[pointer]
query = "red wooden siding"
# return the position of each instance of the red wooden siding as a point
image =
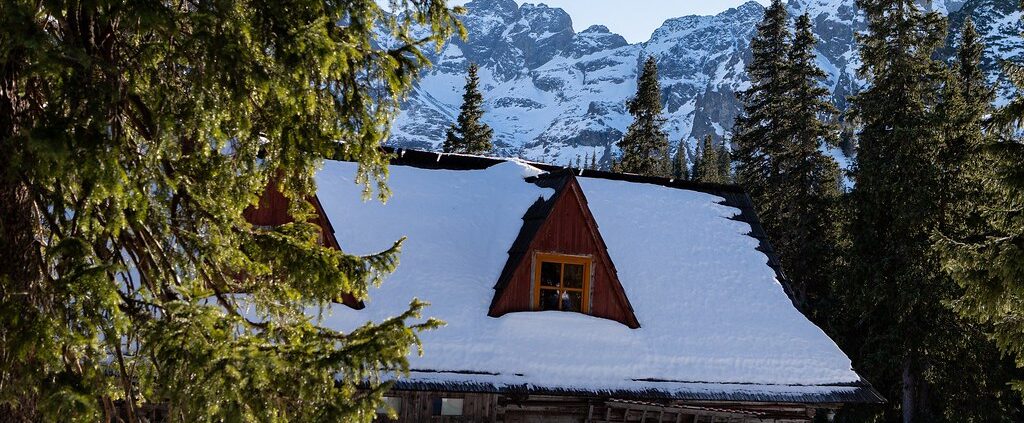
(272, 210)
(570, 229)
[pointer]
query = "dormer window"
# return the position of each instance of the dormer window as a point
(561, 282)
(559, 260)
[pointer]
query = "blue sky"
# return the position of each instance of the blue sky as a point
(634, 19)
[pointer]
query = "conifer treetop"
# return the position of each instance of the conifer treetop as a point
(681, 161)
(470, 135)
(645, 144)
(760, 126)
(710, 164)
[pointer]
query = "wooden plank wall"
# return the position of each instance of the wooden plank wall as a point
(418, 407)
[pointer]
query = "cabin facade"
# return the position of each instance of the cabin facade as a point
(582, 296)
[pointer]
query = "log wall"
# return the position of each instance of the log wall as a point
(419, 407)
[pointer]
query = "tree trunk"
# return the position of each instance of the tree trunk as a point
(18, 225)
(21, 268)
(909, 392)
(21, 274)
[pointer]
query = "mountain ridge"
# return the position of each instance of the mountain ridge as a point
(553, 94)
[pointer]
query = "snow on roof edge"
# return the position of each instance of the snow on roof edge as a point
(468, 381)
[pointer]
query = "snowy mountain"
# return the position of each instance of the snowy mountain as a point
(553, 94)
(999, 23)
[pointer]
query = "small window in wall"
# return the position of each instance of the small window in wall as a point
(447, 407)
(390, 403)
(561, 282)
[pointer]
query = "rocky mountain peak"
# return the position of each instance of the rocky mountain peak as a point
(745, 9)
(596, 29)
(595, 39)
(504, 8)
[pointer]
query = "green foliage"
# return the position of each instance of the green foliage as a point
(807, 189)
(710, 164)
(893, 275)
(133, 135)
(645, 145)
(758, 132)
(866, 270)
(894, 314)
(966, 100)
(784, 127)
(983, 249)
(988, 264)
(681, 162)
(471, 135)
(724, 162)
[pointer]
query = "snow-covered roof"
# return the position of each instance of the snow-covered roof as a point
(715, 321)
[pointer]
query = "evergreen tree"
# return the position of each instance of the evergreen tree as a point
(133, 135)
(680, 163)
(707, 167)
(989, 264)
(966, 100)
(974, 88)
(724, 163)
(593, 161)
(645, 145)
(894, 278)
(910, 345)
(806, 190)
(980, 241)
(759, 130)
(779, 138)
(974, 378)
(470, 135)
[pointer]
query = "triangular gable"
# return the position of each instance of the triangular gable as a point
(272, 210)
(561, 225)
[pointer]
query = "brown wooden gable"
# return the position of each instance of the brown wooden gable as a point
(272, 210)
(562, 225)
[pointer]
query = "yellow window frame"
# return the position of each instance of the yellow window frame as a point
(562, 259)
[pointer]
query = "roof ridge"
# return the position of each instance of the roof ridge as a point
(457, 161)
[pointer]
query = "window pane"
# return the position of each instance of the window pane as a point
(548, 299)
(550, 273)
(572, 301)
(451, 406)
(573, 276)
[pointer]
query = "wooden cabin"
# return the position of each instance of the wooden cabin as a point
(583, 296)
